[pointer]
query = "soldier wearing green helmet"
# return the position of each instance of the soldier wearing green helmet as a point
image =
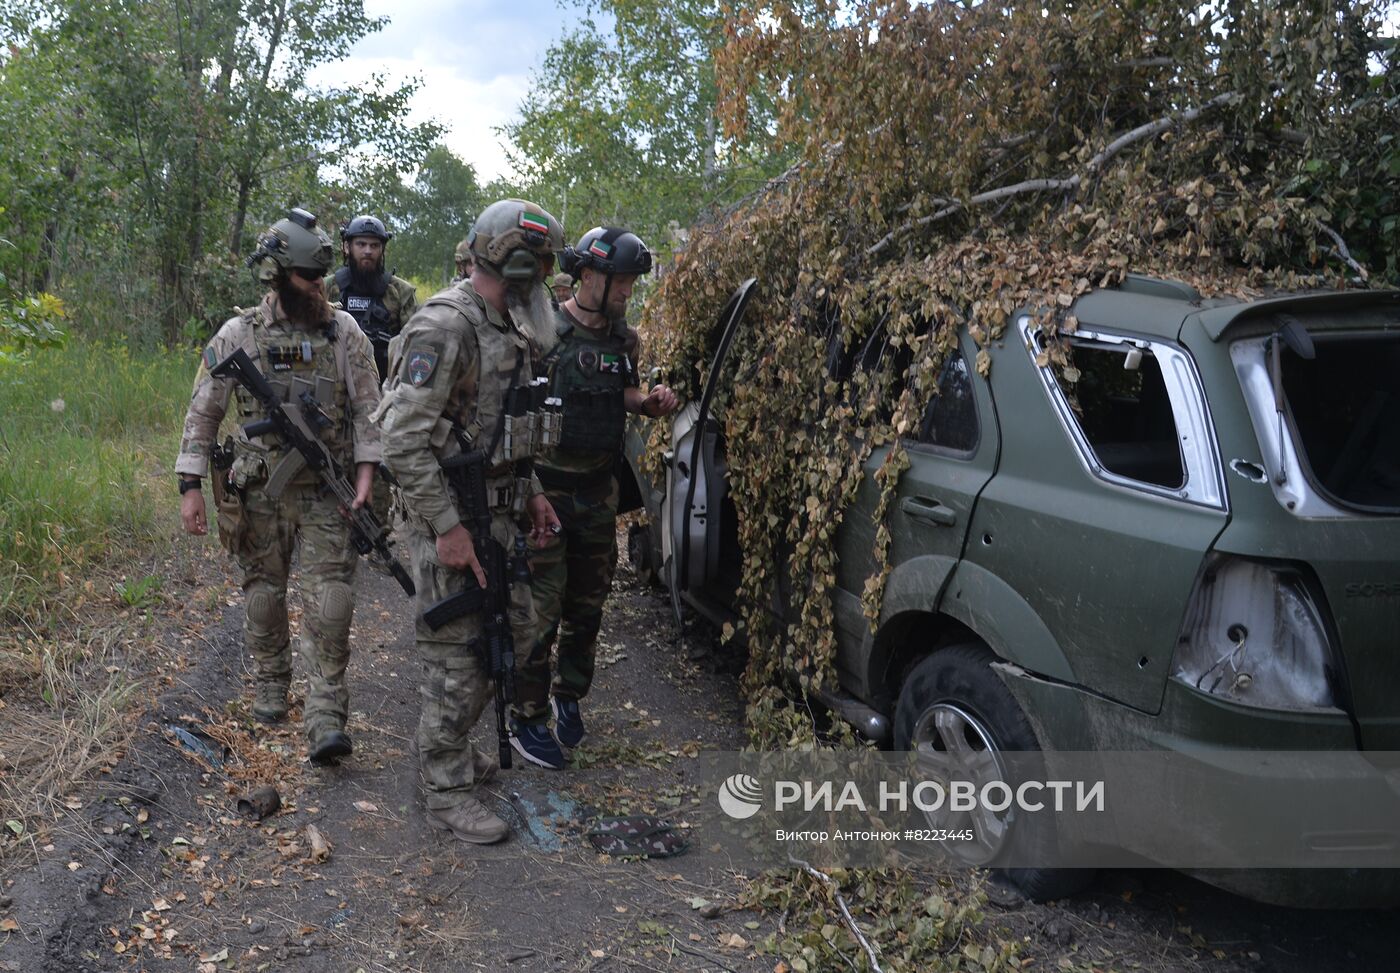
(462, 260)
(298, 341)
(467, 353)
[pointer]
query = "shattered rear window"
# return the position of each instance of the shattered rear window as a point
(1121, 403)
(1345, 406)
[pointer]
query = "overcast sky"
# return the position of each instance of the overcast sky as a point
(474, 58)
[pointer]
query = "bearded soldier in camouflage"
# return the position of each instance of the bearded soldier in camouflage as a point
(380, 303)
(592, 371)
(298, 341)
(450, 374)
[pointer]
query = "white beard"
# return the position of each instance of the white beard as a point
(534, 316)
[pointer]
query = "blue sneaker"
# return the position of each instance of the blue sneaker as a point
(534, 742)
(568, 724)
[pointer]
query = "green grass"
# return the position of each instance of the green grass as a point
(82, 429)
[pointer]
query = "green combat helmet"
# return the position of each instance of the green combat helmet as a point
(295, 241)
(463, 251)
(512, 235)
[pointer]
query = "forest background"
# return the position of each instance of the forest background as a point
(823, 146)
(860, 158)
(147, 143)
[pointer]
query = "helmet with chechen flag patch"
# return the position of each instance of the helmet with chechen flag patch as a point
(512, 234)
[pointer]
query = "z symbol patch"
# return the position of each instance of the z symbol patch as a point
(420, 367)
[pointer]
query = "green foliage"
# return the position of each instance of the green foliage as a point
(960, 162)
(163, 137)
(84, 425)
(139, 592)
(429, 217)
(621, 127)
(27, 322)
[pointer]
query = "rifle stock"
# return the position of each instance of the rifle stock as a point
(366, 532)
(466, 472)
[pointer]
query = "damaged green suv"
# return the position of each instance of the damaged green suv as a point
(1194, 545)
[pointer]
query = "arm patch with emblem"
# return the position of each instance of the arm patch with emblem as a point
(420, 365)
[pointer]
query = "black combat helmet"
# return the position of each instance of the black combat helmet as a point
(366, 226)
(609, 250)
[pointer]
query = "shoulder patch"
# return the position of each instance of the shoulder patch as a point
(419, 365)
(210, 359)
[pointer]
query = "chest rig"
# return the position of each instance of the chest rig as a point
(295, 360)
(588, 374)
(366, 304)
(508, 413)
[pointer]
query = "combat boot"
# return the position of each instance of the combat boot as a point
(327, 748)
(270, 701)
(469, 821)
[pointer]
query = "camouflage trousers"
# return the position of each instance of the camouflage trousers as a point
(271, 531)
(570, 580)
(455, 685)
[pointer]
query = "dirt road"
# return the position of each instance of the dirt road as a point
(152, 867)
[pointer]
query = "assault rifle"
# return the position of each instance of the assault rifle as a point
(297, 428)
(466, 472)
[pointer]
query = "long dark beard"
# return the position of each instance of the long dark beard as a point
(302, 308)
(362, 282)
(534, 315)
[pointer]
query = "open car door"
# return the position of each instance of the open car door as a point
(696, 479)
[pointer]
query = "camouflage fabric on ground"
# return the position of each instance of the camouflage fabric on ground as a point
(637, 834)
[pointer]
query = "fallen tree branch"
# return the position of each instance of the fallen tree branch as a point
(1159, 126)
(1341, 251)
(1066, 183)
(845, 912)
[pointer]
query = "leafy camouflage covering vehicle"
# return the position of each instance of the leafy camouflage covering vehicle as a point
(1192, 544)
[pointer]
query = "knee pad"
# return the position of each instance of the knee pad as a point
(266, 610)
(335, 609)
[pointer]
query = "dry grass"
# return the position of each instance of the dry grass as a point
(67, 694)
(67, 723)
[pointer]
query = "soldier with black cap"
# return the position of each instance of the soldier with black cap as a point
(380, 303)
(462, 260)
(593, 373)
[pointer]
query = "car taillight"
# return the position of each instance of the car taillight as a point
(1254, 635)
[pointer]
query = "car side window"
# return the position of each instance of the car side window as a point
(1121, 403)
(950, 419)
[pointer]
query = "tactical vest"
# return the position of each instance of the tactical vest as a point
(504, 373)
(366, 305)
(294, 360)
(589, 373)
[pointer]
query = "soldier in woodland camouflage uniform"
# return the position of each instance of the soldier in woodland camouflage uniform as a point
(380, 303)
(592, 370)
(454, 364)
(295, 338)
